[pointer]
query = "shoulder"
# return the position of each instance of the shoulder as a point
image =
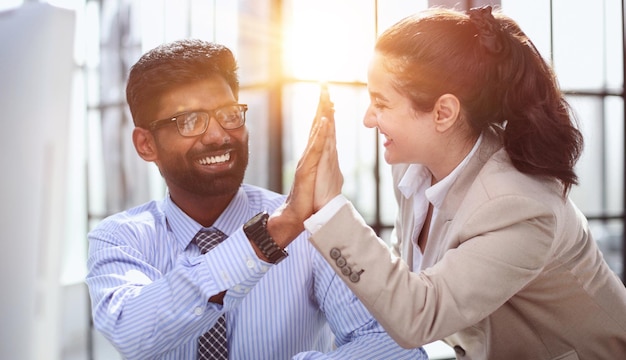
(500, 178)
(148, 217)
(501, 195)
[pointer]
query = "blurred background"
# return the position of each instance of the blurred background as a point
(67, 154)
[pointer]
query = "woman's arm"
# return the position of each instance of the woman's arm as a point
(494, 260)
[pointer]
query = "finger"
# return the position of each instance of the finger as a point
(324, 106)
(315, 145)
(331, 131)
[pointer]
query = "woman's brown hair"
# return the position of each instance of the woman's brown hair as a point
(499, 77)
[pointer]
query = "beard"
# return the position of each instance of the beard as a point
(177, 172)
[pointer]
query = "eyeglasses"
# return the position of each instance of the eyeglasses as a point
(195, 123)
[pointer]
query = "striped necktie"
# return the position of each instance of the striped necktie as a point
(212, 345)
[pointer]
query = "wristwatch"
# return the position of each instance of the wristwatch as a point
(256, 231)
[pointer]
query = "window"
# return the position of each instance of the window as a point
(286, 48)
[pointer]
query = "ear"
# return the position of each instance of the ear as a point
(144, 144)
(446, 111)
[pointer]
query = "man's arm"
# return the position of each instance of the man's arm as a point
(143, 308)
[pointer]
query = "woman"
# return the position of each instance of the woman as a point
(496, 260)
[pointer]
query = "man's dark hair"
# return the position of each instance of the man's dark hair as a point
(173, 64)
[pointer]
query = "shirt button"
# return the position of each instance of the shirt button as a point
(264, 268)
(250, 263)
(198, 311)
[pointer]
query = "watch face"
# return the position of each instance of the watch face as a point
(256, 218)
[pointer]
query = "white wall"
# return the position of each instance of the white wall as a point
(36, 41)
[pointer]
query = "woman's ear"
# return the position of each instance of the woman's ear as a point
(447, 110)
(144, 144)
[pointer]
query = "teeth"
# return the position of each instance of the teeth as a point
(215, 159)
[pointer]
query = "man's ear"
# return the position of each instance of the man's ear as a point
(144, 144)
(447, 110)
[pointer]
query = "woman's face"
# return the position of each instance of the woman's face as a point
(407, 133)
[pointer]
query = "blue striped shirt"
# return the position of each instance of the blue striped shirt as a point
(149, 287)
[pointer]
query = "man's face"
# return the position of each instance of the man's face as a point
(211, 164)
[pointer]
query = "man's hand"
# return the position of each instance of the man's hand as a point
(287, 222)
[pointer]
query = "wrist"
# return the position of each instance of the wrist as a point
(262, 241)
(284, 227)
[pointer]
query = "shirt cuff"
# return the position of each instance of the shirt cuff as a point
(320, 218)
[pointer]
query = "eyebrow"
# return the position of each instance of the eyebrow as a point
(203, 109)
(378, 95)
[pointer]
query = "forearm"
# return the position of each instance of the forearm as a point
(143, 319)
(490, 255)
(379, 273)
(143, 310)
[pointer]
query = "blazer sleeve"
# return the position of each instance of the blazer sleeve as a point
(468, 283)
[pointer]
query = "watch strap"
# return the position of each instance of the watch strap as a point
(256, 231)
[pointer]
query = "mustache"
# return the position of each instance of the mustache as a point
(212, 149)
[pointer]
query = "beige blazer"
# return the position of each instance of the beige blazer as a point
(510, 270)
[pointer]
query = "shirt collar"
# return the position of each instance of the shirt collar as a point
(418, 176)
(185, 228)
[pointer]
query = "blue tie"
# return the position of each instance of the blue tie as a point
(212, 345)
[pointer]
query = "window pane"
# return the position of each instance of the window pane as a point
(255, 43)
(608, 235)
(600, 168)
(259, 140)
(614, 154)
(533, 16)
(176, 19)
(202, 19)
(226, 18)
(328, 39)
(590, 168)
(579, 44)
(614, 45)
(392, 11)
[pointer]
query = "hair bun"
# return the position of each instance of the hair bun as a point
(487, 27)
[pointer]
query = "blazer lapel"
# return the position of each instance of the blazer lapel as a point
(454, 198)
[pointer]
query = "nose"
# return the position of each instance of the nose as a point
(369, 119)
(215, 133)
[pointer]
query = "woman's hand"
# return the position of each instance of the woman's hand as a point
(329, 179)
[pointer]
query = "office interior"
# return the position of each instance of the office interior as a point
(69, 158)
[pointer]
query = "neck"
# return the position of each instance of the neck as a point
(451, 157)
(203, 209)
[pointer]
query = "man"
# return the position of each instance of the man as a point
(148, 278)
